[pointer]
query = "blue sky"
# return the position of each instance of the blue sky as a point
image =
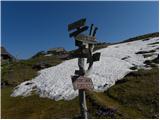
(29, 27)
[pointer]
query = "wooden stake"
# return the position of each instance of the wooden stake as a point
(83, 105)
(82, 96)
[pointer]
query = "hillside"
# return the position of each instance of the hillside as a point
(104, 73)
(125, 95)
(142, 37)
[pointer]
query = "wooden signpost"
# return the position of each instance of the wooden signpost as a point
(86, 44)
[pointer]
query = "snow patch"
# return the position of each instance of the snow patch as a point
(55, 82)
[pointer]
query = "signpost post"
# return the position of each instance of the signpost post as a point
(86, 44)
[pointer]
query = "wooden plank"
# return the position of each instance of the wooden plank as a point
(82, 37)
(94, 32)
(82, 82)
(78, 31)
(86, 39)
(77, 24)
(79, 72)
(96, 56)
(91, 28)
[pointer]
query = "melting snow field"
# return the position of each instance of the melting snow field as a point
(115, 62)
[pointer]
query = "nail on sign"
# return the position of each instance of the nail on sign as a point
(82, 83)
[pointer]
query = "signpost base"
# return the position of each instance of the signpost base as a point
(83, 105)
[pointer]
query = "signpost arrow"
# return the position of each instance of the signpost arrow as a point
(77, 24)
(94, 58)
(86, 39)
(80, 30)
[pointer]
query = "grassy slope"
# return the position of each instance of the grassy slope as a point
(20, 71)
(136, 97)
(36, 107)
(145, 37)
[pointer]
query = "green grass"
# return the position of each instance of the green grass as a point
(36, 107)
(16, 72)
(144, 37)
(140, 92)
(136, 97)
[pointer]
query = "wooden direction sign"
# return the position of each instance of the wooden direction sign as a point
(75, 33)
(77, 24)
(94, 58)
(86, 39)
(82, 82)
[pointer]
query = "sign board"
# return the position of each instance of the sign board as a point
(77, 24)
(95, 57)
(86, 39)
(82, 82)
(75, 33)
